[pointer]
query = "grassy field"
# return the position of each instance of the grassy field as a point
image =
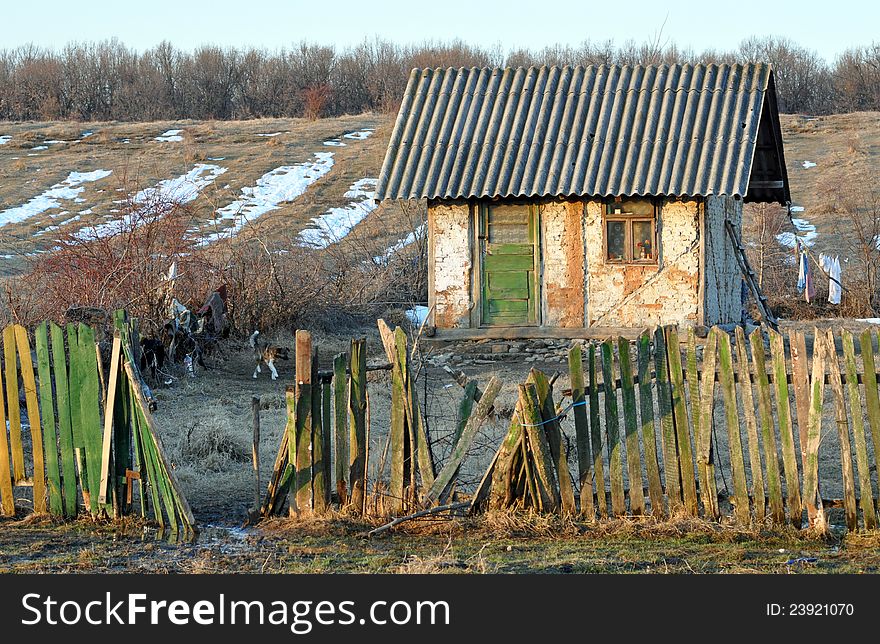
(495, 544)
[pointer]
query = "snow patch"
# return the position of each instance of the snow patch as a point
(179, 190)
(170, 136)
(359, 135)
(336, 223)
(40, 147)
(270, 134)
(67, 190)
(283, 184)
(5, 139)
(808, 164)
(335, 143)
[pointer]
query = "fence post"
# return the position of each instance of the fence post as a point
(320, 485)
(357, 407)
(680, 416)
(771, 457)
(745, 378)
(846, 466)
(649, 438)
(582, 429)
(734, 439)
(667, 424)
(706, 405)
(786, 431)
(303, 409)
(340, 389)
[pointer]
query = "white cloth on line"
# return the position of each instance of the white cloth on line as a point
(834, 284)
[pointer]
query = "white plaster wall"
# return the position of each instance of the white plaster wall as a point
(562, 260)
(451, 257)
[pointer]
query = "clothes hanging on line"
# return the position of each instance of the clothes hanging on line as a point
(834, 286)
(802, 267)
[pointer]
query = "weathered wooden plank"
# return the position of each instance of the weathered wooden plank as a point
(357, 407)
(327, 437)
(320, 485)
(90, 412)
(542, 459)
(737, 465)
(846, 465)
(65, 427)
(786, 432)
(800, 380)
(771, 457)
(500, 494)
(475, 421)
(106, 446)
(47, 414)
(581, 429)
(553, 432)
(304, 418)
(705, 399)
(872, 401)
(748, 401)
(7, 497)
(148, 462)
(631, 428)
(399, 439)
(667, 424)
(649, 440)
(596, 435)
(812, 497)
(866, 494)
(612, 432)
(465, 408)
(12, 405)
(693, 384)
(682, 429)
(340, 393)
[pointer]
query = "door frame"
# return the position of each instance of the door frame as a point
(477, 233)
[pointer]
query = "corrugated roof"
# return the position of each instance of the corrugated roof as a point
(600, 130)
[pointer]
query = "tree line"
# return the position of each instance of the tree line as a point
(108, 81)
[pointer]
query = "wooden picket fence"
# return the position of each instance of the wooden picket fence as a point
(92, 438)
(637, 433)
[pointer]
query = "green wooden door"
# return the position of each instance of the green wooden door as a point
(508, 240)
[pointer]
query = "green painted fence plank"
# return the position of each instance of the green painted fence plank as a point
(872, 400)
(667, 424)
(596, 435)
(768, 436)
(47, 410)
(631, 428)
(734, 440)
(340, 393)
(866, 493)
(581, 429)
(612, 431)
(90, 413)
(7, 495)
(357, 406)
(682, 428)
(65, 428)
(649, 438)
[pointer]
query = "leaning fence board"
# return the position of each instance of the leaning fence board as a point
(90, 413)
(596, 435)
(680, 415)
(553, 432)
(612, 432)
(866, 494)
(649, 440)
(786, 432)
(33, 411)
(737, 465)
(474, 422)
(545, 478)
(7, 497)
(500, 491)
(65, 427)
(105, 489)
(812, 496)
(631, 428)
(357, 409)
(771, 457)
(12, 406)
(47, 410)
(581, 428)
(846, 466)
(705, 399)
(667, 424)
(748, 401)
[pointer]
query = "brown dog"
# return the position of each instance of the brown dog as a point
(265, 353)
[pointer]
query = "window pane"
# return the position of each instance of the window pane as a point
(509, 224)
(616, 236)
(642, 240)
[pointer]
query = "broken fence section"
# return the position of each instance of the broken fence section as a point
(722, 428)
(93, 447)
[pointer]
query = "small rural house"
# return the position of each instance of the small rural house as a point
(564, 199)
